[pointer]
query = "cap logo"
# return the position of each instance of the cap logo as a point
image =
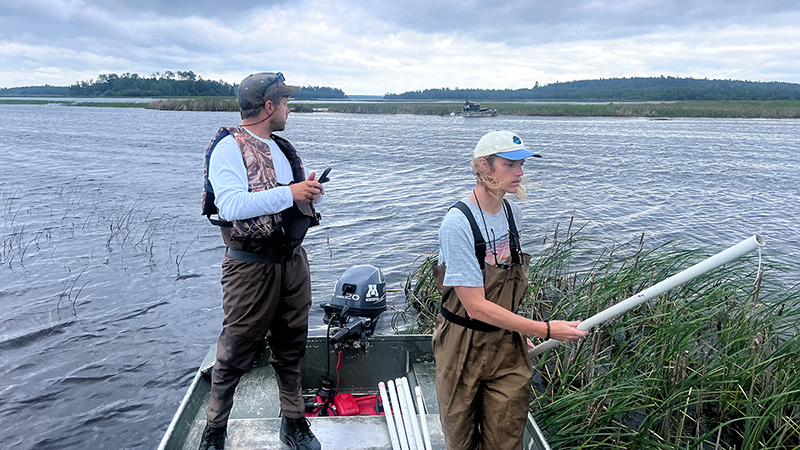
(516, 140)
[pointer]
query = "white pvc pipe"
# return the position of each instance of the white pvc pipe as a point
(398, 418)
(672, 282)
(387, 412)
(422, 418)
(412, 414)
(407, 418)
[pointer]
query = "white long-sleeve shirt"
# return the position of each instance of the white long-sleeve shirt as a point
(228, 177)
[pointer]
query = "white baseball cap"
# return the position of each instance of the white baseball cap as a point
(504, 144)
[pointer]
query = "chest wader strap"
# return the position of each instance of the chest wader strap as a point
(480, 243)
(466, 322)
(480, 254)
(513, 235)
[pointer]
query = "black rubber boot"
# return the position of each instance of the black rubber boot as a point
(213, 438)
(297, 434)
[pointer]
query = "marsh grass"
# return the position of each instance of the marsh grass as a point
(422, 108)
(72, 103)
(711, 109)
(129, 226)
(196, 104)
(15, 238)
(709, 365)
(213, 104)
(714, 109)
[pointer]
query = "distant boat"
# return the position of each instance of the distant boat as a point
(474, 110)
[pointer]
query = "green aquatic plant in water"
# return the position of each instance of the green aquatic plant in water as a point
(717, 109)
(709, 365)
(769, 109)
(196, 104)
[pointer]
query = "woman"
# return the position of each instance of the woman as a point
(483, 370)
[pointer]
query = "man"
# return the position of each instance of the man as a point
(257, 184)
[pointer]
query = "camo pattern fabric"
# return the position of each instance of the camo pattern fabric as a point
(260, 176)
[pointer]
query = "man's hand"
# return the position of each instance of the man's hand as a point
(307, 191)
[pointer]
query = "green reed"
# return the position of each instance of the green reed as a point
(714, 109)
(422, 108)
(228, 104)
(711, 364)
(711, 109)
(72, 103)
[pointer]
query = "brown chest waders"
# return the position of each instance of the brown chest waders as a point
(266, 284)
(483, 372)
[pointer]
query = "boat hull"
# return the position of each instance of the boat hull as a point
(484, 113)
(255, 418)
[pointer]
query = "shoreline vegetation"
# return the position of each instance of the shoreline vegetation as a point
(712, 109)
(635, 89)
(708, 365)
(651, 97)
(750, 109)
(167, 84)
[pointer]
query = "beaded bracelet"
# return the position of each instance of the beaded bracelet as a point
(547, 338)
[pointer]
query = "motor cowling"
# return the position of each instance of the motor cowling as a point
(359, 298)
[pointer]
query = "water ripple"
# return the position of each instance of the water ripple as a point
(99, 341)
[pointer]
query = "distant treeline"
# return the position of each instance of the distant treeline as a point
(320, 92)
(45, 90)
(169, 83)
(173, 84)
(621, 89)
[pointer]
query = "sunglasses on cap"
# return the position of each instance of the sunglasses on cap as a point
(278, 77)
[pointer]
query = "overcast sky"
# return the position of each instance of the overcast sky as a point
(380, 46)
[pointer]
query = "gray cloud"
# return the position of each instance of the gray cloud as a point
(223, 11)
(526, 22)
(371, 46)
(76, 25)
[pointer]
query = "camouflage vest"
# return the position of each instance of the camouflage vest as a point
(262, 234)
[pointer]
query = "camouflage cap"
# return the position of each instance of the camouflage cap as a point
(257, 88)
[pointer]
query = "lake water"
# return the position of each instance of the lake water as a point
(86, 99)
(109, 275)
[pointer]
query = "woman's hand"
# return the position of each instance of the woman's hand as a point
(562, 330)
(474, 301)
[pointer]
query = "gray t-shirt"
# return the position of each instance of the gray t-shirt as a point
(457, 245)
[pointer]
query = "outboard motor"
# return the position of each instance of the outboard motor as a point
(358, 300)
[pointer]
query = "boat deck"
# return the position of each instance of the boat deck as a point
(255, 419)
(346, 433)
